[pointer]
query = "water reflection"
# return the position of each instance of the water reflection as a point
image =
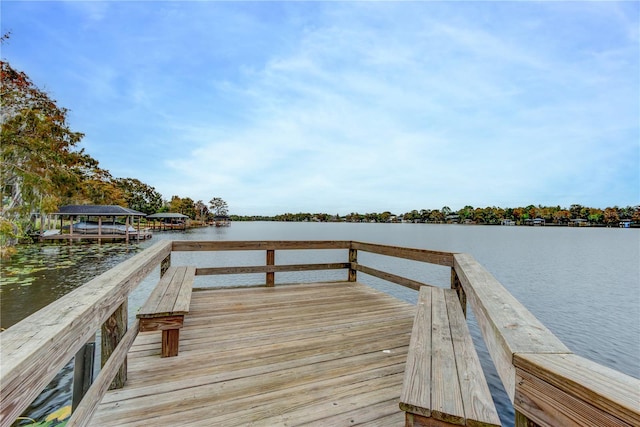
(41, 273)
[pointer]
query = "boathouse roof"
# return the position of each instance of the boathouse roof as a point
(98, 210)
(167, 215)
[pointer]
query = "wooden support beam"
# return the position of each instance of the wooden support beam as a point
(353, 263)
(112, 332)
(271, 260)
(457, 286)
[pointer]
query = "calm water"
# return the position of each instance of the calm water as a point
(582, 283)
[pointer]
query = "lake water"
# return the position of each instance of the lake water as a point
(582, 283)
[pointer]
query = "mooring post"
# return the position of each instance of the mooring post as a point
(353, 261)
(271, 260)
(112, 332)
(83, 371)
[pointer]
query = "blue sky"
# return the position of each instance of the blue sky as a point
(346, 107)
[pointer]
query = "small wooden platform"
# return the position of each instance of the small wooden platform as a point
(312, 354)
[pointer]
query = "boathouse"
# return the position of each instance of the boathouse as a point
(97, 222)
(168, 221)
(221, 221)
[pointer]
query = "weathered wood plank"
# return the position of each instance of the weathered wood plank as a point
(479, 408)
(296, 371)
(506, 325)
(444, 383)
(183, 298)
(172, 294)
(249, 245)
(393, 278)
(208, 271)
(424, 255)
(34, 350)
(113, 330)
(446, 396)
(570, 390)
(416, 387)
(148, 324)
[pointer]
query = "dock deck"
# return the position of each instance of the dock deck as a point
(310, 354)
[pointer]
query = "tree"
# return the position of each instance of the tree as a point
(218, 206)
(610, 216)
(140, 196)
(436, 216)
(39, 162)
(185, 206)
(97, 187)
(466, 212)
(201, 210)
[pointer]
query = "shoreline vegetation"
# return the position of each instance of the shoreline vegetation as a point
(575, 215)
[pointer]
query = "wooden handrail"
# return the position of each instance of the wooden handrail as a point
(34, 350)
(506, 325)
(528, 357)
(424, 255)
(546, 382)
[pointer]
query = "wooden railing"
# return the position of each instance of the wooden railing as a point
(546, 382)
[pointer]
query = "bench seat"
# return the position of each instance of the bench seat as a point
(444, 384)
(165, 308)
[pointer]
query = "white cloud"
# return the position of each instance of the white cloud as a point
(365, 106)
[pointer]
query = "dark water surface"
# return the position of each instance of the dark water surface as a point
(582, 283)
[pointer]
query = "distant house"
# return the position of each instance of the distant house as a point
(168, 221)
(625, 223)
(579, 222)
(508, 222)
(535, 221)
(452, 219)
(221, 221)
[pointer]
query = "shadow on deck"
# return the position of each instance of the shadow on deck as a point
(312, 354)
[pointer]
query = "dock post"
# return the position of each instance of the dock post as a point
(353, 262)
(165, 264)
(457, 286)
(271, 260)
(83, 371)
(112, 332)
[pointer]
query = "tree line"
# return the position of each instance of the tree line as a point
(489, 215)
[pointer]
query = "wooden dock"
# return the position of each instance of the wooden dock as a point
(329, 354)
(313, 354)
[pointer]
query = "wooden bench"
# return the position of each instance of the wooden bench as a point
(165, 309)
(444, 384)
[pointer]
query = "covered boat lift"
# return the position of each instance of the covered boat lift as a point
(99, 229)
(169, 221)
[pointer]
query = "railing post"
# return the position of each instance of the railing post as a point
(271, 260)
(457, 286)
(112, 332)
(353, 261)
(165, 264)
(83, 371)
